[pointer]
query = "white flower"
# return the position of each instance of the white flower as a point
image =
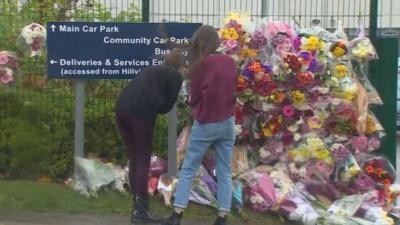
(297, 136)
(29, 40)
(264, 153)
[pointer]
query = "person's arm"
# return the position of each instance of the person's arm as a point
(174, 85)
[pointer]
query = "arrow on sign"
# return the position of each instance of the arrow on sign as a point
(53, 62)
(53, 27)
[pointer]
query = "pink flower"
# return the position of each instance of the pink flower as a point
(3, 59)
(359, 143)
(288, 111)
(231, 44)
(6, 79)
(374, 144)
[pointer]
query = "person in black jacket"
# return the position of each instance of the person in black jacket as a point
(153, 91)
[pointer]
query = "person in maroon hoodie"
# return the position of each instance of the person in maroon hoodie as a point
(153, 91)
(212, 98)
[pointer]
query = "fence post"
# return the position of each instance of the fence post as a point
(263, 8)
(383, 75)
(373, 20)
(145, 11)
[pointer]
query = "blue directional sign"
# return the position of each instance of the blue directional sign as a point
(92, 50)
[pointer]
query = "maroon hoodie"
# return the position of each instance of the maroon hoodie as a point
(212, 86)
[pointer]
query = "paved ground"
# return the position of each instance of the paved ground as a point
(61, 219)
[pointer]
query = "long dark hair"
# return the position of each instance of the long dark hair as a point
(203, 42)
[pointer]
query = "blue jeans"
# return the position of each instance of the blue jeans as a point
(221, 137)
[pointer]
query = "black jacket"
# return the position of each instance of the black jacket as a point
(154, 90)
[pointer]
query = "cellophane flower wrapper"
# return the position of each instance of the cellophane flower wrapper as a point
(346, 206)
(280, 36)
(200, 188)
(297, 208)
(181, 143)
(361, 71)
(237, 196)
(240, 163)
(32, 39)
(158, 166)
(362, 50)
(8, 67)
(262, 190)
(297, 96)
(378, 168)
(152, 185)
(375, 214)
(346, 166)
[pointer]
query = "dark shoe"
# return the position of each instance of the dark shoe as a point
(142, 214)
(174, 219)
(221, 221)
(144, 217)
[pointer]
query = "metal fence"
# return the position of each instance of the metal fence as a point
(34, 86)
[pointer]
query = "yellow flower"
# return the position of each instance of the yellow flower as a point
(322, 154)
(299, 155)
(338, 52)
(229, 34)
(340, 71)
(298, 97)
(354, 170)
(313, 43)
(348, 95)
(247, 53)
(370, 126)
(315, 143)
(361, 50)
(232, 16)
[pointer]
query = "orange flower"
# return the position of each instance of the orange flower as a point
(279, 96)
(387, 182)
(305, 77)
(255, 66)
(369, 169)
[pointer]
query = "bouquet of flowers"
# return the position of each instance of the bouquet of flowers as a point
(379, 169)
(8, 67)
(32, 39)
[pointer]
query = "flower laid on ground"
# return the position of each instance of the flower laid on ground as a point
(300, 115)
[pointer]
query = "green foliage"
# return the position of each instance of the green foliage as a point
(160, 140)
(37, 116)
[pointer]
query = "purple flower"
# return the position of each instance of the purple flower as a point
(279, 39)
(297, 43)
(313, 67)
(248, 74)
(267, 68)
(340, 153)
(36, 44)
(258, 40)
(12, 63)
(305, 55)
(359, 143)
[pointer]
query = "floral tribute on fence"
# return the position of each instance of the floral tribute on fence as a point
(8, 67)
(305, 135)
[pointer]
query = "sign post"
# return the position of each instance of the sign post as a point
(95, 50)
(79, 118)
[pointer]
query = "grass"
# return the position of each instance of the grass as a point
(56, 198)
